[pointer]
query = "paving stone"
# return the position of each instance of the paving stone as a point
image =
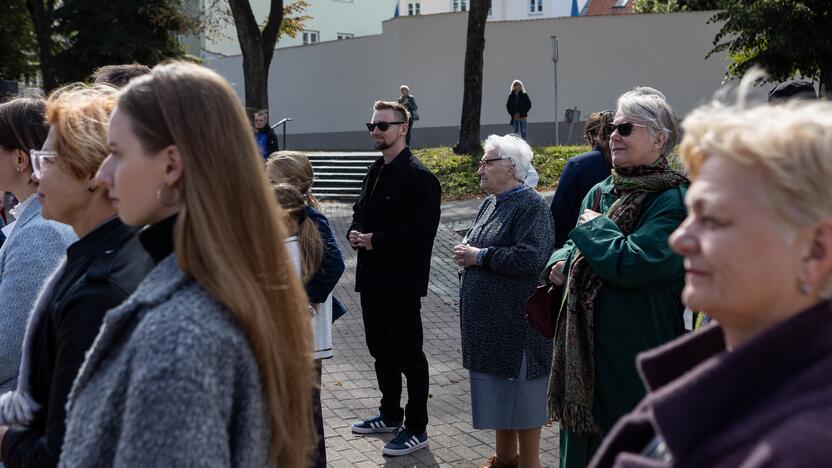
(349, 390)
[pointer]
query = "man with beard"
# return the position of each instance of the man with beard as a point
(393, 226)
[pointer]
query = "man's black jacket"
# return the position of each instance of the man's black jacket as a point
(399, 204)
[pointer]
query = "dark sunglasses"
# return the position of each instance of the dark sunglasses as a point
(383, 126)
(624, 129)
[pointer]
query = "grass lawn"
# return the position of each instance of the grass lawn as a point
(458, 173)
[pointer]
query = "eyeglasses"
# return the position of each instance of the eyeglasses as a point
(624, 129)
(383, 126)
(41, 159)
(484, 162)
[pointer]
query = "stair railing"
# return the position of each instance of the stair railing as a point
(283, 123)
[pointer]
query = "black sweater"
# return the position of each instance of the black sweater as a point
(102, 270)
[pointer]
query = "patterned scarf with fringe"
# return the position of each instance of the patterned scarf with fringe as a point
(572, 380)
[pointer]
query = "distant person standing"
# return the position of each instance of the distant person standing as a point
(518, 106)
(409, 103)
(393, 226)
(265, 136)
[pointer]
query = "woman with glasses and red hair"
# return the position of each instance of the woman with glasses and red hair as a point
(622, 282)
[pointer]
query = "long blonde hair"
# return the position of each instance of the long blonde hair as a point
(195, 109)
(297, 170)
(309, 238)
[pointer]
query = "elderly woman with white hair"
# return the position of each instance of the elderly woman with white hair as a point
(622, 282)
(753, 389)
(502, 257)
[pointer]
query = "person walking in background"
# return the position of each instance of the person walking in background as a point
(502, 256)
(409, 103)
(208, 362)
(264, 134)
(752, 389)
(98, 272)
(393, 226)
(580, 174)
(623, 292)
(34, 246)
(518, 106)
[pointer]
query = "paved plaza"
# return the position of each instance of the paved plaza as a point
(349, 390)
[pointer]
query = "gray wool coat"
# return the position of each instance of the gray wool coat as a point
(519, 234)
(30, 254)
(170, 381)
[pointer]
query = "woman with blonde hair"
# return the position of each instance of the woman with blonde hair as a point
(518, 106)
(208, 362)
(752, 389)
(98, 272)
(321, 274)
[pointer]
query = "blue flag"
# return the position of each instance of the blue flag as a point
(575, 10)
(396, 13)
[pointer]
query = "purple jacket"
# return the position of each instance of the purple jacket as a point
(767, 403)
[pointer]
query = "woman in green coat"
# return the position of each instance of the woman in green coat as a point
(622, 282)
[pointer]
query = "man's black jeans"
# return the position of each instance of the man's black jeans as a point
(393, 327)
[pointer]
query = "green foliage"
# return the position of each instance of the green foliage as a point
(670, 6)
(785, 38)
(216, 17)
(17, 42)
(143, 31)
(458, 173)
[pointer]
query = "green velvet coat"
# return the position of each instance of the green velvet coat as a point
(639, 306)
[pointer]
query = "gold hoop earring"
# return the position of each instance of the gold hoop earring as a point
(167, 195)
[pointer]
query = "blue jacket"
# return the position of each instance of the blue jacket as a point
(580, 174)
(32, 251)
(323, 282)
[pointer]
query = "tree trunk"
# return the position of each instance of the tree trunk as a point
(42, 19)
(826, 81)
(258, 49)
(469, 127)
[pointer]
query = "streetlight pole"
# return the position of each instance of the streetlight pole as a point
(555, 61)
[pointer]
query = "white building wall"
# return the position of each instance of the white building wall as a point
(328, 89)
(501, 10)
(329, 18)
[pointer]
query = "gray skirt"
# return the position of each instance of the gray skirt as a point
(511, 404)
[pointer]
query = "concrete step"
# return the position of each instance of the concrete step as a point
(338, 175)
(336, 182)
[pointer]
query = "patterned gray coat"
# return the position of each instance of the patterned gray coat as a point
(30, 254)
(519, 234)
(170, 381)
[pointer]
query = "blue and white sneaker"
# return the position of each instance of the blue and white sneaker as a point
(375, 424)
(405, 442)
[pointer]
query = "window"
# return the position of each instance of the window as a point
(535, 7)
(310, 37)
(345, 36)
(460, 5)
(620, 3)
(414, 8)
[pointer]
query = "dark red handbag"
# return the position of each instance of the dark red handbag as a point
(542, 308)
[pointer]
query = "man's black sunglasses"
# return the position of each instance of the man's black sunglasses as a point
(383, 126)
(624, 129)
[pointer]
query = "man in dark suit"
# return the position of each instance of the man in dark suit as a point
(393, 227)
